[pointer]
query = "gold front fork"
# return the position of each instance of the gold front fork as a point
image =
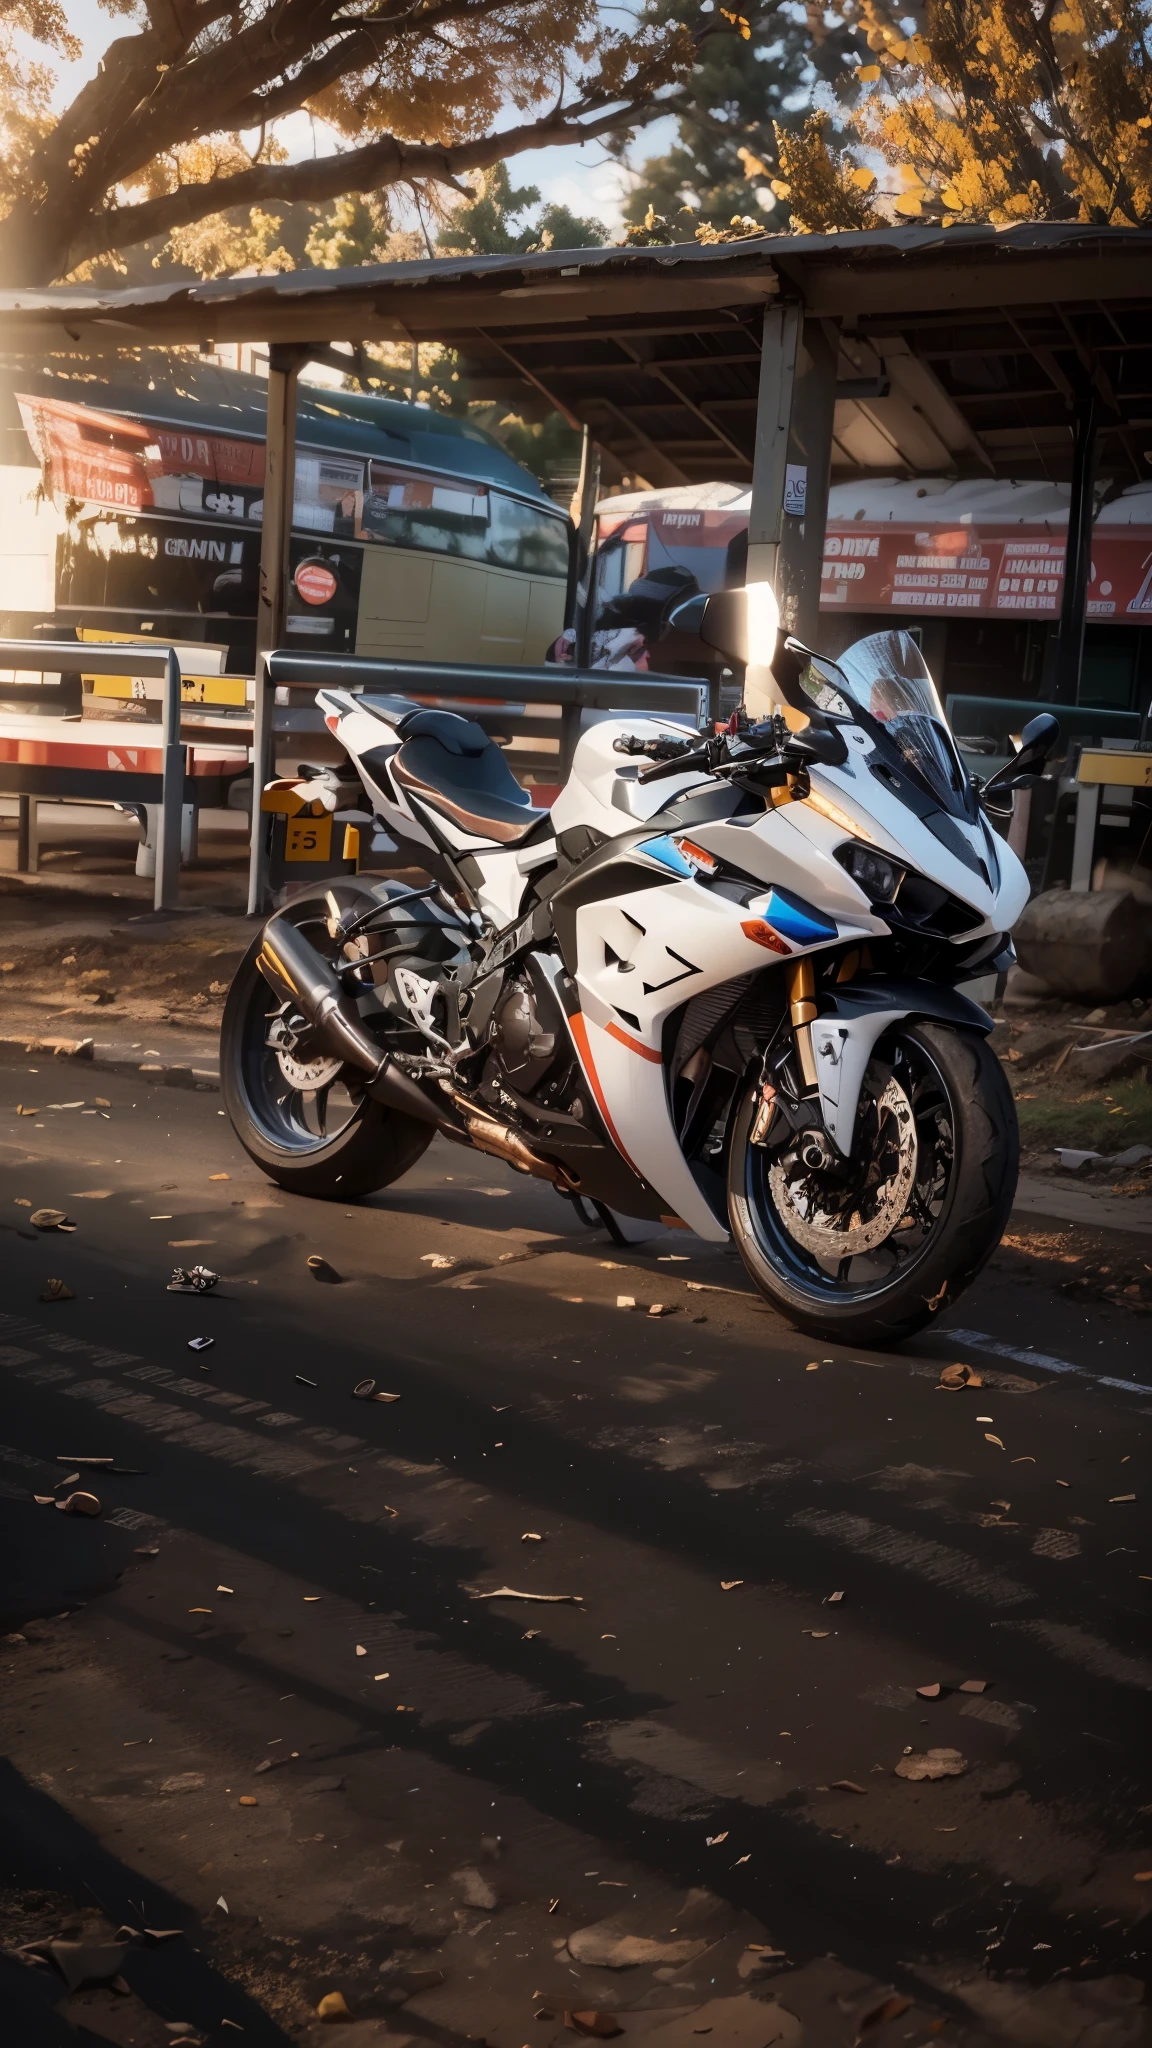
(800, 982)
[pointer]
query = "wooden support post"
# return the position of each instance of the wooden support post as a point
(166, 891)
(783, 326)
(1069, 652)
(284, 364)
(808, 464)
(588, 491)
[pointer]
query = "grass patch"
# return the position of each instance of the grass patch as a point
(1101, 1122)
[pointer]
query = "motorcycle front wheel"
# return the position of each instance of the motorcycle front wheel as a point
(305, 1120)
(870, 1255)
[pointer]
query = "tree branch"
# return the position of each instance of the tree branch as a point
(380, 164)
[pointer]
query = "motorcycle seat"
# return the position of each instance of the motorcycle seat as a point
(450, 763)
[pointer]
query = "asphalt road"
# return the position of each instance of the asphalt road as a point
(689, 1747)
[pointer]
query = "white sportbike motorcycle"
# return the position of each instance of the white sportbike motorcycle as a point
(714, 986)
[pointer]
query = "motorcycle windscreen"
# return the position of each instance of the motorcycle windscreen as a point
(887, 676)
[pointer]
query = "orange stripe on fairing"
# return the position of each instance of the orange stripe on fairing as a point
(634, 1045)
(580, 1034)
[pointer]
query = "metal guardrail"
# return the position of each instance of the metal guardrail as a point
(495, 697)
(108, 660)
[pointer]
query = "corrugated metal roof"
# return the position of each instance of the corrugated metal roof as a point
(983, 337)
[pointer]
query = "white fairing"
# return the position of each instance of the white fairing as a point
(652, 945)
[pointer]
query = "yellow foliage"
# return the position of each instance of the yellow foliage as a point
(992, 111)
(753, 168)
(738, 21)
(821, 179)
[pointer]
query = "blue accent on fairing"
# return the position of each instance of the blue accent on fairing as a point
(668, 853)
(796, 920)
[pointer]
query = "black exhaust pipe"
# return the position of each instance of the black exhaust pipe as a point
(299, 975)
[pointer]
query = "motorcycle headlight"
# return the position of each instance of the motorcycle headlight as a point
(872, 871)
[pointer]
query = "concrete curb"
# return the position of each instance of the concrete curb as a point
(159, 1073)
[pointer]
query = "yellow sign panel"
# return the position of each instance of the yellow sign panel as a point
(1123, 771)
(308, 839)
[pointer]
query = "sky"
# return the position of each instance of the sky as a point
(587, 180)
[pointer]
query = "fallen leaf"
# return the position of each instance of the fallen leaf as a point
(1023, 1461)
(309, 1598)
(199, 1610)
(974, 1685)
(817, 1634)
(57, 1290)
(953, 1377)
(661, 1308)
(44, 1500)
(440, 1260)
(321, 1270)
(890, 2009)
(1066, 1484)
(934, 1763)
(990, 1439)
(1114, 1498)
(79, 1504)
(246, 1799)
(1142, 1877)
(510, 1593)
(333, 2006)
(360, 1650)
(222, 1903)
(224, 1589)
(714, 1841)
(929, 1692)
(602, 2026)
(531, 1536)
(833, 1599)
(729, 1585)
(219, 1176)
(847, 1785)
(812, 1368)
(147, 1550)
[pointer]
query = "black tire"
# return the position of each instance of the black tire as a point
(958, 1070)
(372, 1145)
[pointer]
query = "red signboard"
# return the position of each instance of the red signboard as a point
(993, 572)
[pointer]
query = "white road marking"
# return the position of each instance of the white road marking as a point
(1042, 1360)
(937, 1562)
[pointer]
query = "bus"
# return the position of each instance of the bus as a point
(131, 499)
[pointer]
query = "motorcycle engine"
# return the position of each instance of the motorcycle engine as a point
(527, 1045)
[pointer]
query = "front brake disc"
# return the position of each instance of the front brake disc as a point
(805, 1206)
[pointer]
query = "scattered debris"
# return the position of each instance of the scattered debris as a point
(302, 1382)
(57, 1290)
(192, 1280)
(930, 1692)
(661, 1308)
(201, 1343)
(367, 1390)
(360, 1650)
(833, 1599)
(990, 1439)
(475, 1889)
(730, 1585)
(953, 1377)
(531, 1536)
(321, 1270)
(625, 1301)
(87, 1962)
(246, 1799)
(333, 2006)
(1074, 1161)
(714, 1841)
(974, 1685)
(602, 2026)
(606, 1946)
(510, 1593)
(1114, 1499)
(51, 1219)
(932, 1763)
(818, 1635)
(62, 1458)
(219, 1176)
(79, 1504)
(440, 1260)
(847, 1785)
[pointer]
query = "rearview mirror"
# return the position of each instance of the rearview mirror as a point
(742, 625)
(1036, 743)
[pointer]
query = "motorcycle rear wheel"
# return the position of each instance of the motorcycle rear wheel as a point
(948, 1173)
(325, 1136)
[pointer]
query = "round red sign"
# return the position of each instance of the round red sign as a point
(315, 582)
